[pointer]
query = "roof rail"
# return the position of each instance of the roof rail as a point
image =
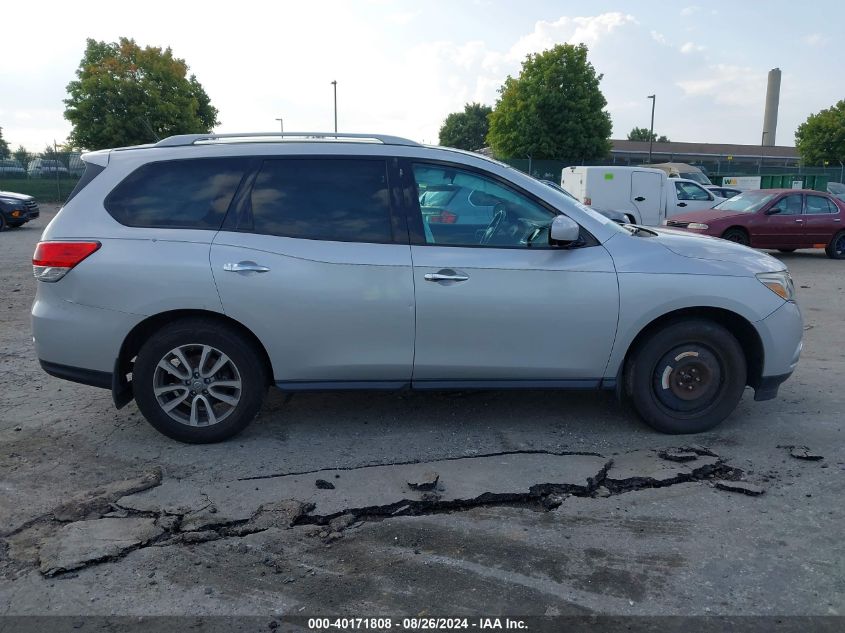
(181, 140)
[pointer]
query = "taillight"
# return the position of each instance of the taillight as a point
(588, 201)
(444, 217)
(52, 260)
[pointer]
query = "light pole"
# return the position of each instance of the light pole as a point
(334, 85)
(651, 129)
(282, 125)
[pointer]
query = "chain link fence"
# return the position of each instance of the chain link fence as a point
(50, 176)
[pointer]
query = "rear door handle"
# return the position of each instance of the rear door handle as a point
(799, 220)
(245, 267)
(682, 204)
(639, 199)
(445, 277)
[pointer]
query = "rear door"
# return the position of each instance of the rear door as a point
(645, 196)
(822, 220)
(314, 263)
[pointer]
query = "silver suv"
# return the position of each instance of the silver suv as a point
(192, 274)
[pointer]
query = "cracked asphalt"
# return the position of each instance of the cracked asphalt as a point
(544, 503)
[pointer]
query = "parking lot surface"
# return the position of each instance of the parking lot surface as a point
(529, 503)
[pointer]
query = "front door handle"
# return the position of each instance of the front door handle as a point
(639, 199)
(245, 267)
(799, 220)
(442, 276)
(682, 204)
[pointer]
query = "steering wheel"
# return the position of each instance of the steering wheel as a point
(500, 213)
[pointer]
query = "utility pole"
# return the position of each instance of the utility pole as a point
(651, 129)
(334, 85)
(282, 124)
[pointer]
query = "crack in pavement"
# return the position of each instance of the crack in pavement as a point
(124, 516)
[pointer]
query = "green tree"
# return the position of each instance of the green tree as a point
(554, 109)
(467, 129)
(126, 95)
(642, 134)
(822, 136)
(4, 146)
(22, 156)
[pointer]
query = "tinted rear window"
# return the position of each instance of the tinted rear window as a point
(192, 194)
(342, 200)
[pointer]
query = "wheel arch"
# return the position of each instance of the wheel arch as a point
(740, 327)
(122, 387)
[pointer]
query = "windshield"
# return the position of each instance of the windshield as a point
(698, 177)
(746, 202)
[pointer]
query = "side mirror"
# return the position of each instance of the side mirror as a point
(564, 230)
(772, 211)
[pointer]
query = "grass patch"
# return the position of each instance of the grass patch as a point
(44, 189)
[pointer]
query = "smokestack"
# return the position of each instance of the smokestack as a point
(770, 118)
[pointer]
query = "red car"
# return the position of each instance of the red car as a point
(785, 219)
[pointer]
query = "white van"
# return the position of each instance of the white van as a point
(647, 196)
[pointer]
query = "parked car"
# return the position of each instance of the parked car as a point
(616, 216)
(785, 219)
(836, 189)
(193, 273)
(723, 192)
(647, 196)
(42, 167)
(11, 168)
(682, 170)
(16, 209)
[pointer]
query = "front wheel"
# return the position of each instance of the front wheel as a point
(836, 248)
(737, 235)
(686, 377)
(786, 250)
(199, 381)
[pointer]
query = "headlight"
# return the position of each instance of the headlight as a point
(698, 226)
(780, 283)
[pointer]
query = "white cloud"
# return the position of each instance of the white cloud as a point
(816, 40)
(690, 47)
(691, 10)
(727, 84)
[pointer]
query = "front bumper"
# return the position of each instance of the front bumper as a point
(781, 333)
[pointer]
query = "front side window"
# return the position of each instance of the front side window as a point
(819, 204)
(482, 211)
(190, 194)
(689, 191)
(789, 205)
(334, 199)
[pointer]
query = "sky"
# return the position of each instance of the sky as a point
(401, 67)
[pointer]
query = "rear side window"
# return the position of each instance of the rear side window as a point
(344, 200)
(188, 194)
(819, 204)
(92, 170)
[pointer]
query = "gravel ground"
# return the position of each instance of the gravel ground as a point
(99, 514)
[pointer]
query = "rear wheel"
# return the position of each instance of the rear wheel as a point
(686, 377)
(739, 236)
(836, 248)
(199, 381)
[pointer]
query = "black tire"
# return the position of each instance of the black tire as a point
(2, 223)
(836, 248)
(696, 355)
(740, 236)
(16, 225)
(189, 336)
(630, 218)
(786, 250)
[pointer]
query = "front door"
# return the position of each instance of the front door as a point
(690, 197)
(505, 307)
(312, 268)
(782, 224)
